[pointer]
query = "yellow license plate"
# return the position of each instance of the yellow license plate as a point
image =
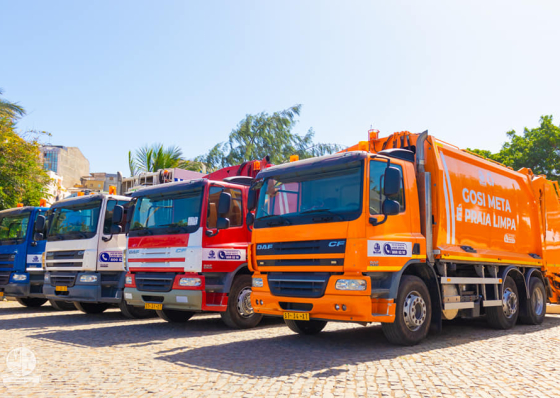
(61, 288)
(296, 316)
(153, 306)
(1, 294)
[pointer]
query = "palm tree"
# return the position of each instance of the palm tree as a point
(150, 158)
(9, 109)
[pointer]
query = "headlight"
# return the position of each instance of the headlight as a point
(88, 278)
(350, 284)
(19, 277)
(258, 282)
(190, 282)
(128, 280)
(47, 277)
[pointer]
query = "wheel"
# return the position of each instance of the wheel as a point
(175, 316)
(412, 315)
(239, 313)
(306, 327)
(31, 301)
(62, 305)
(91, 308)
(536, 306)
(505, 316)
(133, 312)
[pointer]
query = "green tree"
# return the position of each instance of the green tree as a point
(9, 109)
(150, 158)
(537, 149)
(260, 135)
(22, 177)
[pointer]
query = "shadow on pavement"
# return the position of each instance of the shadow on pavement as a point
(286, 355)
(150, 333)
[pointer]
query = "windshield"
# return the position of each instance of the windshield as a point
(74, 222)
(317, 196)
(175, 212)
(13, 229)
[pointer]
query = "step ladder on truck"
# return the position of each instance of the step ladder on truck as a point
(405, 230)
(187, 247)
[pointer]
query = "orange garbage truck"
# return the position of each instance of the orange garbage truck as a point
(405, 230)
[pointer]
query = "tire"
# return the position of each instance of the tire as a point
(91, 308)
(505, 316)
(239, 313)
(412, 315)
(60, 305)
(133, 312)
(306, 327)
(536, 306)
(175, 316)
(31, 301)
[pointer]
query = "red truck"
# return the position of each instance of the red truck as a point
(187, 247)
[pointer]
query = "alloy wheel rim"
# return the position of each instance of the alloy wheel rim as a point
(538, 301)
(414, 311)
(509, 303)
(244, 307)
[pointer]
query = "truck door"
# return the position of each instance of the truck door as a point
(35, 249)
(390, 244)
(110, 253)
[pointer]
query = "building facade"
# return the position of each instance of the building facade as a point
(67, 162)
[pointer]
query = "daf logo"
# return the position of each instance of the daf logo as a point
(180, 250)
(336, 243)
(264, 247)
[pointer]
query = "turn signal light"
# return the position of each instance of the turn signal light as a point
(294, 158)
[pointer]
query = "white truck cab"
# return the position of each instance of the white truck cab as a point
(84, 255)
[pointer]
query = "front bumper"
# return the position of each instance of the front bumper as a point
(182, 300)
(360, 307)
(32, 287)
(104, 290)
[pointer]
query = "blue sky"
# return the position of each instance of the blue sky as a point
(109, 76)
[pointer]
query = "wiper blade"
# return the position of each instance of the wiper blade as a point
(144, 231)
(177, 228)
(328, 211)
(280, 220)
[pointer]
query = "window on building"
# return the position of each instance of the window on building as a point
(50, 160)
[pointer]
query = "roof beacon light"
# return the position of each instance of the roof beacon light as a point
(257, 165)
(43, 203)
(373, 134)
(112, 190)
(80, 194)
(20, 205)
(294, 158)
(363, 146)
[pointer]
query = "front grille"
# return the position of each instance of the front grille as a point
(4, 278)
(65, 255)
(79, 264)
(302, 247)
(7, 257)
(154, 282)
(63, 279)
(298, 285)
(300, 262)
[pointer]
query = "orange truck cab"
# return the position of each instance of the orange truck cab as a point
(407, 231)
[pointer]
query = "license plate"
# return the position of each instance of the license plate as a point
(153, 306)
(1, 294)
(296, 316)
(61, 288)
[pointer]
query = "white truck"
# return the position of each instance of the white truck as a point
(84, 255)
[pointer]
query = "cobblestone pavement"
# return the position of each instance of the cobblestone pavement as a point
(108, 355)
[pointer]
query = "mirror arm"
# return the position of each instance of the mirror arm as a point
(211, 234)
(105, 239)
(373, 221)
(249, 228)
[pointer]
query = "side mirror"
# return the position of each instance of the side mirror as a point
(39, 224)
(390, 207)
(250, 220)
(118, 215)
(252, 200)
(222, 223)
(392, 181)
(116, 229)
(224, 203)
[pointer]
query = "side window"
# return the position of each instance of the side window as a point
(109, 215)
(376, 195)
(235, 213)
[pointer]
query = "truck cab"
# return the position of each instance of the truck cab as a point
(84, 255)
(21, 272)
(187, 248)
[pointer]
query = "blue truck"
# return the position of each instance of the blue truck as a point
(21, 257)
